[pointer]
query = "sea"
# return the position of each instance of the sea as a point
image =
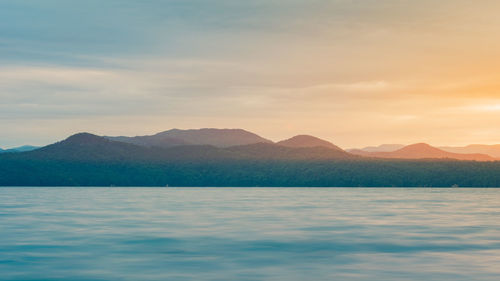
(124, 233)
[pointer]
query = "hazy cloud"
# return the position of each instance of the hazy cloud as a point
(355, 72)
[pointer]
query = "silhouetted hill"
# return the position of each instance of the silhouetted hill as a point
(423, 151)
(89, 147)
(276, 151)
(19, 149)
(150, 141)
(380, 148)
(307, 141)
(89, 160)
(491, 150)
(85, 146)
(214, 137)
(22, 148)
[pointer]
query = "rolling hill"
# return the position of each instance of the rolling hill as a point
(89, 160)
(492, 150)
(208, 136)
(89, 147)
(380, 148)
(423, 151)
(267, 151)
(308, 141)
(19, 149)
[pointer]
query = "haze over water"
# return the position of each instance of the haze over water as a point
(249, 234)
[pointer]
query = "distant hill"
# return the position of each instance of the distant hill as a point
(151, 141)
(380, 148)
(89, 147)
(19, 149)
(214, 137)
(89, 160)
(307, 141)
(424, 151)
(280, 152)
(22, 148)
(491, 150)
(217, 145)
(85, 147)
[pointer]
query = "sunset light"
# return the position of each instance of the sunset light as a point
(250, 140)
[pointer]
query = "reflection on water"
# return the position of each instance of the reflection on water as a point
(249, 234)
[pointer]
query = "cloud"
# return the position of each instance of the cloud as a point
(355, 72)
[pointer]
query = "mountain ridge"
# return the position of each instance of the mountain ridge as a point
(22, 148)
(204, 136)
(89, 160)
(489, 149)
(379, 148)
(308, 141)
(88, 147)
(276, 151)
(236, 141)
(424, 151)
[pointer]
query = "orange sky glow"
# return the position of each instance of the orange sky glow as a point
(356, 73)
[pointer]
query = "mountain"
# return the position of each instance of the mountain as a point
(85, 147)
(19, 149)
(213, 145)
(23, 148)
(89, 147)
(267, 151)
(151, 141)
(307, 141)
(492, 150)
(89, 160)
(423, 151)
(214, 137)
(380, 148)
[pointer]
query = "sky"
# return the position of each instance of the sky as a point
(354, 72)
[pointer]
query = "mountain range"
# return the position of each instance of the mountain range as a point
(85, 146)
(23, 148)
(212, 157)
(380, 148)
(208, 136)
(308, 141)
(226, 138)
(423, 151)
(217, 143)
(492, 150)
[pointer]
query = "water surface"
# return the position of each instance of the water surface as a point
(249, 234)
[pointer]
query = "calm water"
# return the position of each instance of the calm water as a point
(249, 234)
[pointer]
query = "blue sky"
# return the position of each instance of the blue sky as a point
(353, 72)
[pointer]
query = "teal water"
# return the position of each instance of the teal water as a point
(249, 234)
